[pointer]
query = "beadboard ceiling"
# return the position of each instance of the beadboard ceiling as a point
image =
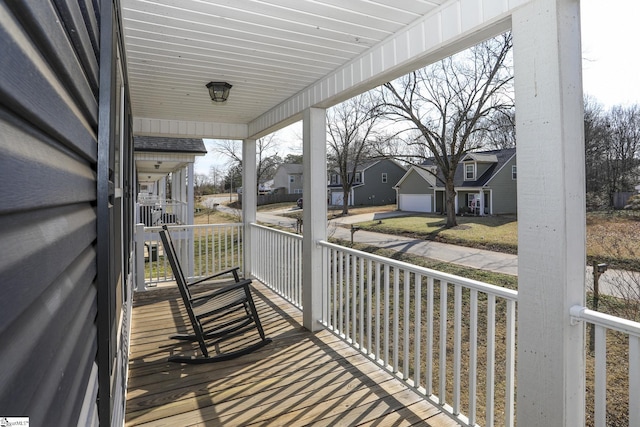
(268, 50)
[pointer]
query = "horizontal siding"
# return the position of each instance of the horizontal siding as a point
(48, 152)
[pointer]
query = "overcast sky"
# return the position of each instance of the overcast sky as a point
(611, 63)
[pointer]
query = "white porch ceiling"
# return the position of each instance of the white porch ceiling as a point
(271, 52)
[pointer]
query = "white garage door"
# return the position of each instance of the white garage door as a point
(415, 202)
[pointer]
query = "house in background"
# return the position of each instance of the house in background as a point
(485, 184)
(373, 184)
(288, 177)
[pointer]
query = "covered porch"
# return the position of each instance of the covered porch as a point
(301, 378)
(299, 82)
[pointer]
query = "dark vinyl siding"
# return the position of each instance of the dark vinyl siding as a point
(48, 156)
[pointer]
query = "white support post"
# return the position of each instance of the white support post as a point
(314, 215)
(189, 219)
(551, 213)
(188, 188)
(139, 251)
(249, 198)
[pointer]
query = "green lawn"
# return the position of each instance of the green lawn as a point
(611, 237)
(499, 233)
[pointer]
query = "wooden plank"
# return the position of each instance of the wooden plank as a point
(300, 378)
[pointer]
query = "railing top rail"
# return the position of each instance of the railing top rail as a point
(292, 235)
(193, 226)
(505, 293)
(606, 320)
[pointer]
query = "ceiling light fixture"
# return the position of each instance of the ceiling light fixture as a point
(219, 91)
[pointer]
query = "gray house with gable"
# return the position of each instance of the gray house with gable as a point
(485, 184)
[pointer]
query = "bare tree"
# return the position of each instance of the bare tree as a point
(267, 159)
(449, 104)
(352, 132)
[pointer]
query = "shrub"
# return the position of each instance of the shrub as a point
(633, 203)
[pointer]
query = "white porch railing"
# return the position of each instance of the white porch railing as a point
(604, 323)
(203, 250)
(451, 339)
(424, 326)
(281, 269)
(155, 212)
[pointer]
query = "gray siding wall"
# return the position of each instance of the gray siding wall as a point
(384, 193)
(504, 190)
(415, 184)
(48, 153)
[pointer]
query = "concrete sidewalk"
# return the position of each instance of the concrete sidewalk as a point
(610, 282)
(475, 258)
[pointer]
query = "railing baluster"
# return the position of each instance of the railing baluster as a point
(361, 292)
(457, 347)
(377, 311)
(354, 299)
(406, 362)
(510, 378)
(634, 380)
(417, 329)
(369, 311)
(348, 297)
(473, 355)
(429, 355)
(396, 313)
(442, 392)
(341, 294)
(335, 269)
(491, 358)
(600, 387)
(385, 323)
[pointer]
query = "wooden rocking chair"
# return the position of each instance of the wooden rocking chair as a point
(216, 315)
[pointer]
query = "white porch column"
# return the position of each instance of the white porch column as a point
(249, 198)
(551, 213)
(187, 185)
(481, 201)
(189, 215)
(161, 188)
(314, 151)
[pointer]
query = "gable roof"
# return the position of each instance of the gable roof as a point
(291, 168)
(168, 145)
(364, 165)
(422, 172)
(498, 157)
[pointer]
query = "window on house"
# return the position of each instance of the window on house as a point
(292, 178)
(514, 172)
(470, 172)
(384, 177)
(358, 177)
(334, 178)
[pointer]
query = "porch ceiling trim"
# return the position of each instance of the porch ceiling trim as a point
(191, 129)
(451, 28)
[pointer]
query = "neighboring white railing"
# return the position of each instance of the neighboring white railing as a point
(154, 212)
(423, 326)
(203, 250)
(276, 260)
(603, 323)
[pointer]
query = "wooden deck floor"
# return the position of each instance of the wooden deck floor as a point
(299, 379)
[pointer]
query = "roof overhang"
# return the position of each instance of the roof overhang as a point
(282, 59)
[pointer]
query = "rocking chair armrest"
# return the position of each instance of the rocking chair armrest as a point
(227, 288)
(233, 270)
